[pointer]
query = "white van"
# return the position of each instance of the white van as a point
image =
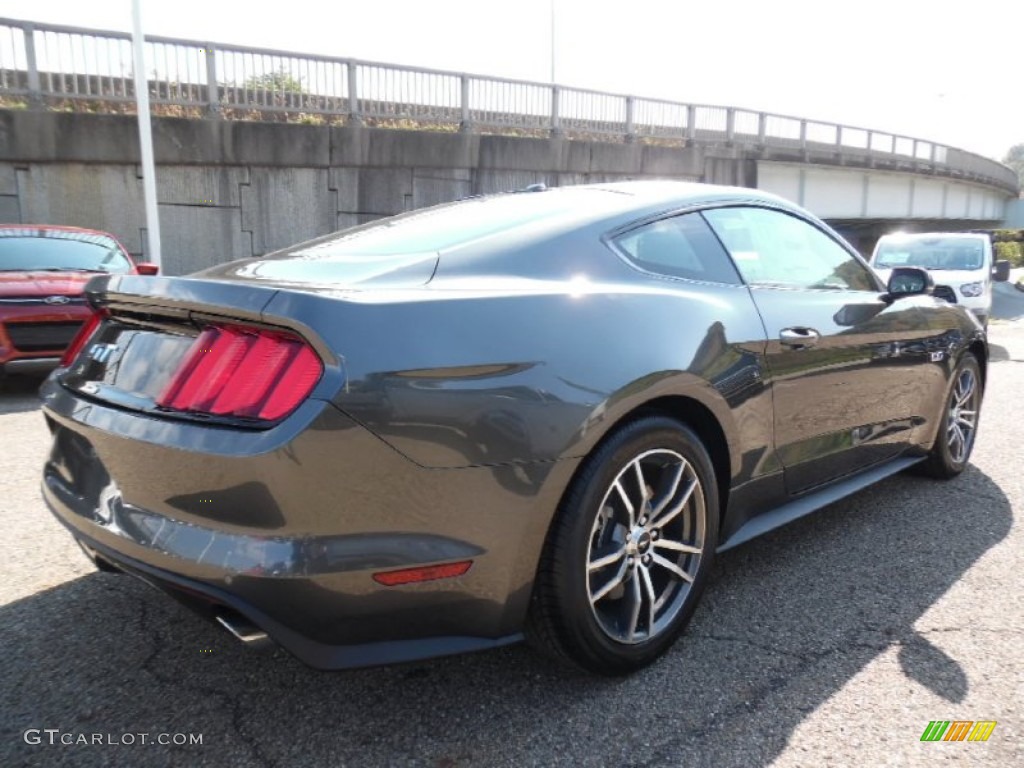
(960, 263)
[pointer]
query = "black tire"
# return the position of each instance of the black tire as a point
(609, 636)
(949, 457)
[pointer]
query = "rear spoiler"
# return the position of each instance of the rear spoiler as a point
(179, 296)
(191, 300)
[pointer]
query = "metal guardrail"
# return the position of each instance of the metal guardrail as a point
(47, 65)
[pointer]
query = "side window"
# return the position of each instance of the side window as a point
(774, 248)
(682, 246)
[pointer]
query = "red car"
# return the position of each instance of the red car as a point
(43, 272)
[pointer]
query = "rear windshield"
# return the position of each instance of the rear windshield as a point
(444, 227)
(956, 253)
(405, 248)
(59, 252)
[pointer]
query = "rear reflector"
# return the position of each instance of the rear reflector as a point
(83, 335)
(244, 372)
(425, 573)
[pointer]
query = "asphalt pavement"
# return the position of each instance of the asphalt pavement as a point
(1007, 299)
(832, 641)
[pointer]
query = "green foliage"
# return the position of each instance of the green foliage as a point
(280, 80)
(1012, 252)
(1008, 235)
(1015, 159)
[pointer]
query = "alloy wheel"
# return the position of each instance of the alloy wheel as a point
(962, 419)
(646, 545)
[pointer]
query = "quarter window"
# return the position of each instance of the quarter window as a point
(682, 246)
(775, 248)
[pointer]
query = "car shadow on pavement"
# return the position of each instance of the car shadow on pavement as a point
(999, 354)
(19, 393)
(788, 621)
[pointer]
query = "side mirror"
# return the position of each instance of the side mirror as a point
(909, 281)
(145, 268)
(1001, 271)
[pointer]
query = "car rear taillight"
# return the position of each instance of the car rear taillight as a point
(83, 335)
(243, 372)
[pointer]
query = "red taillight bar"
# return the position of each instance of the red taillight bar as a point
(253, 373)
(84, 334)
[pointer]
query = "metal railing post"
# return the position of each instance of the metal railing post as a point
(556, 128)
(691, 122)
(466, 126)
(35, 95)
(839, 137)
(803, 135)
(212, 86)
(354, 117)
(630, 132)
(762, 127)
(730, 125)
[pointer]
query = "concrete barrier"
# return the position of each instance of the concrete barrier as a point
(231, 189)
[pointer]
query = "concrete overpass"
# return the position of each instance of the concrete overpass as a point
(258, 149)
(864, 203)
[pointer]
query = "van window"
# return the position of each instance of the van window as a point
(954, 253)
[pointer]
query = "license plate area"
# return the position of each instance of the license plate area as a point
(127, 364)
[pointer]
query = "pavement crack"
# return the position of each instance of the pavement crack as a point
(232, 703)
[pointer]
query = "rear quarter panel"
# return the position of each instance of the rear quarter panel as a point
(536, 373)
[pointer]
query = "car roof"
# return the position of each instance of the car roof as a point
(465, 234)
(932, 235)
(613, 204)
(59, 231)
(651, 192)
(38, 230)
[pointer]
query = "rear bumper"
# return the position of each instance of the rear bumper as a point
(224, 607)
(287, 526)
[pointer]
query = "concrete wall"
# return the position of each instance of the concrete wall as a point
(228, 189)
(231, 189)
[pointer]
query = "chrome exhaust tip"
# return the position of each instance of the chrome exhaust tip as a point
(244, 630)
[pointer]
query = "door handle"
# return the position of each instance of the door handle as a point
(799, 337)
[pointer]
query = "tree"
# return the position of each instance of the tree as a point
(1015, 159)
(280, 81)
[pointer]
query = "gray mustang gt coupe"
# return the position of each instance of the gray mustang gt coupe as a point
(536, 414)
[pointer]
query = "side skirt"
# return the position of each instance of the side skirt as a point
(815, 500)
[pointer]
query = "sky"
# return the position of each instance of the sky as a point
(950, 72)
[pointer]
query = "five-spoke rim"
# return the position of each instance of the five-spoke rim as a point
(962, 419)
(646, 545)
